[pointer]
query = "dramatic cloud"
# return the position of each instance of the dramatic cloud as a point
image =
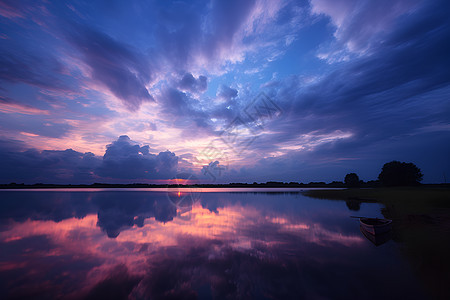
(9, 106)
(46, 166)
(358, 82)
(359, 23)
(22, 65)
(123, 159)
(372, 108)
(189, 83)
(113, 64)
(181, 110)
(226, 92)
(186, 38)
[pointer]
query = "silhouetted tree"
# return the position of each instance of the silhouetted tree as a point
(351, 180)
(354, 205)
(397, 173)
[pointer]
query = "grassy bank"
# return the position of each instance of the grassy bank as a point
(439, 196)
(421, 227)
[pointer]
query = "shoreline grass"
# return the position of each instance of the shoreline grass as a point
(385, 194)
(421, 227)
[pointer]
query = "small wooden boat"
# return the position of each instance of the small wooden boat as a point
(375, 225)
(376, 239)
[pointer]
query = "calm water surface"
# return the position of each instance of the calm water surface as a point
(234, 244)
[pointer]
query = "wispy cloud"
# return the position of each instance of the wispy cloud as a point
(350, 75)
(8, 107)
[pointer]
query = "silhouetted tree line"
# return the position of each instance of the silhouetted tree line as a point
(398, 173)
(393, 173)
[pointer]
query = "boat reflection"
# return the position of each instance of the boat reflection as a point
(376, 239)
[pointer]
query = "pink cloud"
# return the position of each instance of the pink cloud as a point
(15, 108)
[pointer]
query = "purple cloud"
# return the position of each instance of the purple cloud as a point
(369, 111)
(180, 108)
(226, 92)
(55, 166)
(360, 23)
(189, 83)
(124, 159)
(114, 65)
(391, 83)
(32, 68)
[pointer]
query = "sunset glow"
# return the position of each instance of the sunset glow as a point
(224, 149)
(227, 91)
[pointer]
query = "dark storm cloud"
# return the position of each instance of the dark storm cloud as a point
(115, 65)
(189, 83)
(124, 159)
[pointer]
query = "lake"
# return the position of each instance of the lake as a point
(189, 244)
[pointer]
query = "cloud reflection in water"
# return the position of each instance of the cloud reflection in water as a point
(242, 247)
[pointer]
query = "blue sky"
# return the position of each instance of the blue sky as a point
(133, 91)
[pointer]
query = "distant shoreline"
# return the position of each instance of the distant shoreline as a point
(423, 193)
(230, 185)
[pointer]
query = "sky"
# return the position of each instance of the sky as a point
(222, 91)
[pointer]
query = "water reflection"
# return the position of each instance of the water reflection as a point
(139, 245)
(354, 205)
(377, 239)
